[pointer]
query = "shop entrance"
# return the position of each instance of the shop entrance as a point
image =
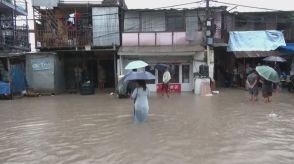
(91, 65)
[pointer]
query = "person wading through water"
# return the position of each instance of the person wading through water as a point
(140, 96)
(165, 79)
(252, 84)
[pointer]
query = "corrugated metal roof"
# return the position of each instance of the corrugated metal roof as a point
(179, 9)
(187, 50)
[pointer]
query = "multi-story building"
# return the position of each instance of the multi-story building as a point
(254, 21)
(14, 41)
(83, 34)
(173, 37)
(13, 26)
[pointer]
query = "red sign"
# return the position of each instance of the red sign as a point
(177, 88)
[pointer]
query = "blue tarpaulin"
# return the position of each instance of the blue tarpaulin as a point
(255, 40)
(4, 88)
(288, 49)
(18, 78)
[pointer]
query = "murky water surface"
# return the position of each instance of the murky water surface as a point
(223, 129)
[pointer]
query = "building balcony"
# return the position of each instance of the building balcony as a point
(70, 39)
(17, 42)
(161, 39)
(80, 2)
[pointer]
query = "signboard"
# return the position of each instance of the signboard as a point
(40, 64)
(177, 88)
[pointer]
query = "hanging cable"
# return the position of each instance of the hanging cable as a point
(253, 7)
(183, 4)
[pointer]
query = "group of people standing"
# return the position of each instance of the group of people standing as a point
(254, 81)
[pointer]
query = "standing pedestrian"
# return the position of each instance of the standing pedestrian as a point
(252, 84)
(101, 77)
(267, 90)
(248, 69)
(140, 96)
(78, 76)
(165, 79)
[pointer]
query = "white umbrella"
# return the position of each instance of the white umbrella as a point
(136, 64)
(274, 59)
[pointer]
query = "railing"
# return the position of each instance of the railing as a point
(19, 41)
(68, 39)
(80, 2)
(160, 39)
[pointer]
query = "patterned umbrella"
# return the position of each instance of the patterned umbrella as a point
(139, 76)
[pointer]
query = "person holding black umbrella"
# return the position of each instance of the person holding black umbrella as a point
(140, 94)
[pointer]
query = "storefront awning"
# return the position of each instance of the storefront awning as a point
(268, 40)
(187, 50)
(255, 54)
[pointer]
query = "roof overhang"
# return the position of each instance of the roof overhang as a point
(255, 54)
(186, 50)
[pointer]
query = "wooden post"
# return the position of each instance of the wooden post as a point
(244, 73)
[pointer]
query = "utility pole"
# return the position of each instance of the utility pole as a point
(207, 8)
(209, 40)
(206, 32)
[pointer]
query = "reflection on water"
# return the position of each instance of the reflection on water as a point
(224, 129)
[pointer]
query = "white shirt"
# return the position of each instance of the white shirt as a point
(166, 77)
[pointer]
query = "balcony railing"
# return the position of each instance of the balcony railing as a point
(19, 41)
(69, 39)
(96, 2)
(160, 39)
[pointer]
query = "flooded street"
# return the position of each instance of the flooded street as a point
(185, 129)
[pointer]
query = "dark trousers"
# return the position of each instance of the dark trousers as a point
(165, 87)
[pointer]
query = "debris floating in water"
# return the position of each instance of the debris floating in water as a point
(273, 115)
(215, 92)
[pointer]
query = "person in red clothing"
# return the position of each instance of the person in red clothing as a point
(165, 79)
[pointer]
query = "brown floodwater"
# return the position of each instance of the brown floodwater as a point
(184, 129)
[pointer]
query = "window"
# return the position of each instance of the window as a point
(175, 23)
(174, 72)
(186, 73)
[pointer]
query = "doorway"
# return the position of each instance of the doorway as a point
(108, 67)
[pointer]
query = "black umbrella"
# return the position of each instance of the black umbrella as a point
(161, 67)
